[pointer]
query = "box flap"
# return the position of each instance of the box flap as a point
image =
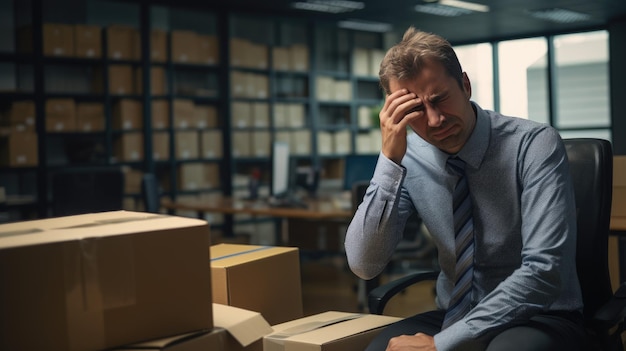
(245, 326)
(326, 327)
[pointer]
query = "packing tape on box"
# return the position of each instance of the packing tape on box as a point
(310, 326)
(242, 253)
(92, 286)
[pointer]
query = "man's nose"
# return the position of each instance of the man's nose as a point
(434, 116)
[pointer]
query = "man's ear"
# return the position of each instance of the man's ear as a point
(467, 86)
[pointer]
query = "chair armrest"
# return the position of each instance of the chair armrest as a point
(379, 296)
(613, 312)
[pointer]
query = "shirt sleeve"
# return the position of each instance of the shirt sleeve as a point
(548, 235)
(377, 224)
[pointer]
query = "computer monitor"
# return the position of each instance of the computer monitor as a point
(358, 168)
(281, 170)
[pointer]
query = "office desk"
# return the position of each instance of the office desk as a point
(317, 210)
(618, 224)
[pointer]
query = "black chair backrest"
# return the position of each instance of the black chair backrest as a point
(591, 167)
(87, 190)
(150, 193)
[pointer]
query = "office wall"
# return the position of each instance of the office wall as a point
(617, 54)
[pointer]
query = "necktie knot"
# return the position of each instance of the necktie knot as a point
(457, 165)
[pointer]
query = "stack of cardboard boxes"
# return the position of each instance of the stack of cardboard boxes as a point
(134, 281)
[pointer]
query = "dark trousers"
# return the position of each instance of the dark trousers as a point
(544, 332)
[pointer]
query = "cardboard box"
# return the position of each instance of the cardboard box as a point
(205, 116)
(60, 115)
(22, 113)
(261, 143)
(91, 281)
(183, 113)
(90, 117)
(360, 62)
(129, 147)
(127, 114)
(296, 116)
(341, 141)
(299, 58)
(281, 113)
(19, 149)
(58, 39)
(88, 41)
(241, 145)
(191, 176)
(260, 114)
(246, 329)
(238, 51)
(325, 88)
(258, 278)
(158, 45)
(208, 49)
(161, 146)
(121, 42)
(160, 114)
(618, 207)
(187, 144)
(132, 180)
(300, 142)
(211, 175)
(235, 329)
(201, 341)
(280, 59)
(327, 331)
(343, 90)
(241, 114)
(376, 57)
(184, 46)
(121, 80)
(238, 84)
(211, 144)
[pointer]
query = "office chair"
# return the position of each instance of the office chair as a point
(591, 166)
(87, 190)
(150, 193)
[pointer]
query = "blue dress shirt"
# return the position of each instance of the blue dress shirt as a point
(524, 222)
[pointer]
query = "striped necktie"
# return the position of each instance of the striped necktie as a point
(464, 246)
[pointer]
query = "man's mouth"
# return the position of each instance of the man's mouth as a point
(444, 133)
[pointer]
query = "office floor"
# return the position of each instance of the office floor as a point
(327, 284)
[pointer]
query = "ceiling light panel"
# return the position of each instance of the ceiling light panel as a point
(329, 6)
(450, 8)
(560, 15)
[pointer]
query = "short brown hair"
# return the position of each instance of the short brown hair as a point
(405, 59)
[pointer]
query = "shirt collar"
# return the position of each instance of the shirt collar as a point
(474, 150)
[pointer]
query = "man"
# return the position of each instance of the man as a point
(521, 288)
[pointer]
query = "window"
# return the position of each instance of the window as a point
(477, 61)
(522, 67)
(582, 83)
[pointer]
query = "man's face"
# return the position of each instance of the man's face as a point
(447, 117)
